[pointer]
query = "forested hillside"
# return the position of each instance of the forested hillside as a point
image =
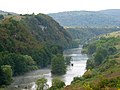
(84, 34)
(88, 18)
(103, 65)
(84, 25)
(28, 42)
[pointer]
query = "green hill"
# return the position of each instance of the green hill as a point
(88, 18)
(32, 30)
(103, 66)
(84, 34)
(28, 42)
(84, 25)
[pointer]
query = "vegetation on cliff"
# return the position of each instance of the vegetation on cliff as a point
(29, 42)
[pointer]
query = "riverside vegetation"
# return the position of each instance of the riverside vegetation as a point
(29, 42)
(84, 25)
(103, 66)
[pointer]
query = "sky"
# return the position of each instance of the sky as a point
(54, 6)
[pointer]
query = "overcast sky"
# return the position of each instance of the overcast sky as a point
(53, 6)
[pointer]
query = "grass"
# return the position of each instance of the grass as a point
(2, 89)
(105, 76)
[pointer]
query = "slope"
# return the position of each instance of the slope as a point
(87, 18)
(84, 25)
(28, 42)
(103, 66)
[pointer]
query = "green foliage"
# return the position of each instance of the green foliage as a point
(103, 68)
(76, 79)
(19, 63)
(90, 64)
(1, 17)
(28, 42)
(58, 65)
(67, 60)
(91, 49)
(87, 86)
(100, 50)
(5, 75)
(55, 49)
(110, 83)
(57, 84)
(47, 30)
(88, 74)
(111, 50)
(41, 83)
(98, 59)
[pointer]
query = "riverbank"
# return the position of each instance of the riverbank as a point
(103, 67)
(79, 64)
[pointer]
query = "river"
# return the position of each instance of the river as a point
(28, 80)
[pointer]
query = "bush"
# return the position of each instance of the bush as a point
(58, 66)
(5, 75)
(57, 83)
(88, 74)
(41, 83)
(78, 79)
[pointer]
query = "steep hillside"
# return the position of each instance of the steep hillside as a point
(84, 34)
(30, 29)
(84, 25)
(47, 30)
(29, 42)
(88, 18)
(103, 66)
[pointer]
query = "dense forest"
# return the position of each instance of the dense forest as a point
(29, 42)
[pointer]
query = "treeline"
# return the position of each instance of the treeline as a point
(29, 42)
(20, 64)
(103, 70)
(100, 50)
(84, 34)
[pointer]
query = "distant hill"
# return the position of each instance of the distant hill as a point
(84, 25)
(6, 13)
(112, 12)
(83, 34)
(88, 18)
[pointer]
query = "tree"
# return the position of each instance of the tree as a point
(58, 65)
(67, 60)
(57, 84)
(98, 58)
(1, 17)
(41, 83)
(112, 50)
(102, 51)
(91, 49)
(5, 75)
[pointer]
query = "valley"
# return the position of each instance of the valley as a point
(79, 48)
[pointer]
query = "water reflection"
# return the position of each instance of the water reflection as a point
(78, 68)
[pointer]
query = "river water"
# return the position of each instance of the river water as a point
(28, 80)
